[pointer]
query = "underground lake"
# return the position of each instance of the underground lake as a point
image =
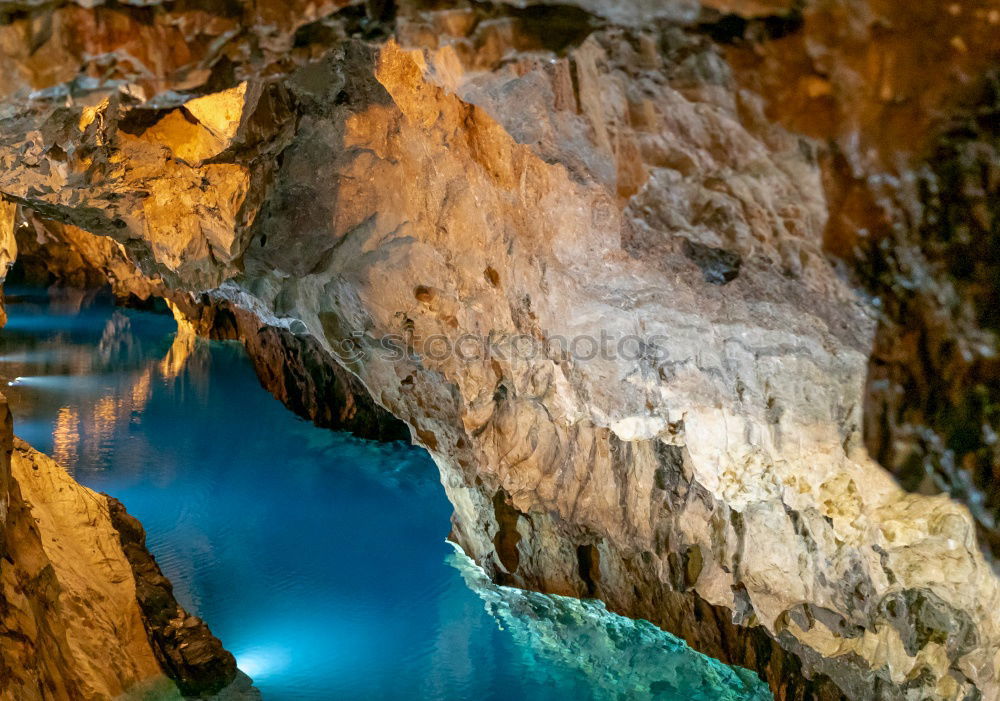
(319, 559)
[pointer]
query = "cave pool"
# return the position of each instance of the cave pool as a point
(319, 559)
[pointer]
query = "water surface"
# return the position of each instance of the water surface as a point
(319, 559)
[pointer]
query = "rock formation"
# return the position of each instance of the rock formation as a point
(62, 553)
(294, 367)
(584, 252)
(561, 632)
(84, 612)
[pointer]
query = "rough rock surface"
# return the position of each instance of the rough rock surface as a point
(70, 622)
(904, 99)
(84, 610)
(79, 594)
(478, 185)
(933, 394)
(183, 644)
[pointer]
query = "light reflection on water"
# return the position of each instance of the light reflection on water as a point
(319, 559)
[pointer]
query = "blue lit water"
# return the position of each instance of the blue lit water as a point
(320, 560)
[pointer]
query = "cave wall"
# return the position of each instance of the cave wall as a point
(933, 396)
(678, 175)
(902, 98)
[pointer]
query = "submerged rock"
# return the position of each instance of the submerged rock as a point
(582, 634)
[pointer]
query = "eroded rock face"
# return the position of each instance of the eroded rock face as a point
(444, 213)
(60, 550)
(933, 409)
(74, 608)
(909, 161)
(182, 643)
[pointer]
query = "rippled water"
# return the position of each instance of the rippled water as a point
(320, 560)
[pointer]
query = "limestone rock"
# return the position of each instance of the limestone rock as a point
(184, 646)
(588, 271)
(69, 614)
(84, 610)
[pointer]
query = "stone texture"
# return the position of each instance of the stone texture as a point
(908, 151)
(933, 390)
(84, 611)
(70, 622)
(184, 646)
(475, 178)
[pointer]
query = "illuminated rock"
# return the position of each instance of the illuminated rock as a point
(477, 179)
(73, 595)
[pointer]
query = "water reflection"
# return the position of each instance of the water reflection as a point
(66, 438)
(29, 357)
(318, 558)
(84, 432)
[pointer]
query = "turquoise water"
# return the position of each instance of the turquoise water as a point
(319, 559)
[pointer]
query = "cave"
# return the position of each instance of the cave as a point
(607, 349)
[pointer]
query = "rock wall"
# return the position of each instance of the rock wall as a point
(49, 573)
(292, 366)
(933, 399)
(588, 267)
(75, 608)
(904, 99)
